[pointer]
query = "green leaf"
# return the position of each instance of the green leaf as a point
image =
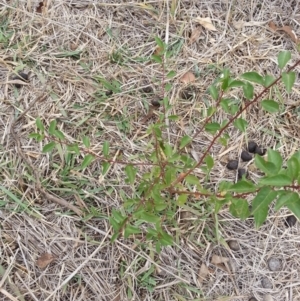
(286, 197)
(58, 134)
(73, 148)
(88, 159)
(49, 147)
(149, 217)
(253, 77)
(225, 104)
(192, 180)
(209, 161)
(242, 186)
(277, 180)
(52, 127)
(239, 208)
(283, 58)
(35, 136)
(235, 83)
(129, 230)
(130, 171)
(168, 87)
(295, 207)
(156, 58)
(86, 141)
(171, 74)
(39, 124)
(165, 239)
(275, 158)
(269, 80)
(212, 127)
(181, 200)
(173, 117)
(267, 167)
(270, 106)
(213, 91)
(248, 90)
(105, 167)
(240, 124)
(293, 168)
(225, 83)
(289, 80)
(159, 43)
(105, 148)
(185, 140)
(260, 205)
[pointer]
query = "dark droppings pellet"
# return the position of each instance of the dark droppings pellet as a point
(241, 172)
(290, 221)
(260, 151)
(251, 146)
(245, 156)
(232, 164)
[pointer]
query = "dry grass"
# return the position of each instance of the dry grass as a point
(87, 265)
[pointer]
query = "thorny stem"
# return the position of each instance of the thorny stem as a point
(181, 177)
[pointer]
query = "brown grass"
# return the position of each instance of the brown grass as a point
(87, 266)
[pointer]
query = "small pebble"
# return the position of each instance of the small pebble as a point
(290, 221)
(266, 283)
(233, 245)
(241, 172)
(108, 93)
(251, 146)
(232, 164)
(245, 156)
(260, 151)
(274, 264)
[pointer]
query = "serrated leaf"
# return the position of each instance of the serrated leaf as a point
(165, 239)
(241, 124)
(149, 217)
(260, 205)
(242, 187)
(49, 147)
(52, 127)
(269, 80)
(86, 141)
(171, 74)
(289, 80)
(248, 90)
(58, 134)
(267, 167)
(239, 208)
(286, 197)
(213, 91)
(283, 58)
(129, 230)
(212, 127)
(185, 140)
(275, 158)
(130, 171)
(270, 105)
(277, 180)
(105, 148)
(253, 77)
(39, 124)
(88, 159)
